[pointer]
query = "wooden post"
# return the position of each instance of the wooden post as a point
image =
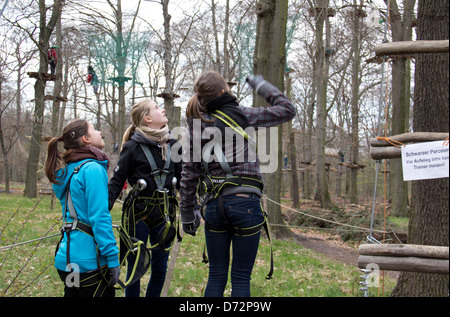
(405, 264)
(405, 257)
(412, 47)
(381, 149)
(423, 251)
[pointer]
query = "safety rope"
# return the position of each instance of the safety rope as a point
(391, 141)
(30, 241)
(323, 219)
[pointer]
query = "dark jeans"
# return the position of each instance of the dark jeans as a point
(238, 212)
(158, 263)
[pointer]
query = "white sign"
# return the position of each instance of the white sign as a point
(425, 160)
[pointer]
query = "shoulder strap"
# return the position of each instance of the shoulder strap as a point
(231, 123)
(160, 178)
(69, 202)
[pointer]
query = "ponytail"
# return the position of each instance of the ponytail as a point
(71, 137)
(127, 135)
(54, 159)
(194, 109)
(207, 87)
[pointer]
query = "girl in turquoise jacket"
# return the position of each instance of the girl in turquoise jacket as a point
(82, 170)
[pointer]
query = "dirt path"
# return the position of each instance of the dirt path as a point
(330, 250)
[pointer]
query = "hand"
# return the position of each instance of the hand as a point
(191, 227)
(115, 272)
(261, 86)
(254, 81)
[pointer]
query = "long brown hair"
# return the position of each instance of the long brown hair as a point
(207, 87)
(71, 137)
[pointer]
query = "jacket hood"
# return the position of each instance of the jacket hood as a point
(63, 175)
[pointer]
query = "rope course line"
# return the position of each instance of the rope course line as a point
(29, 241)
(326, 220)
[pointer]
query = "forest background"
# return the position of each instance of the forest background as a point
(138, 52)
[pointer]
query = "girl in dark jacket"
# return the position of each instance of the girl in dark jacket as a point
(232, 211)
(150, 129)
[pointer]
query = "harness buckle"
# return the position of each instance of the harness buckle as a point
(155, 171)
(67, 227)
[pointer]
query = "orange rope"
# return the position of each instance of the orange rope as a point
(446, 141)
(390, 141)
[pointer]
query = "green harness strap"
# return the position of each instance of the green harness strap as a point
(167, 234)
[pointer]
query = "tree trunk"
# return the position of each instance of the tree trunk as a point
(356, 60)
(429, 221)
(292, 152)
(2, 143)
(121, 53)
(58, 82)
(401, 77)
(39, 90)
(321, 12)
(173, 113)
(270, 62)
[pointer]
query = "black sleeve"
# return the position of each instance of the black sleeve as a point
(178, 168)
(121, 172)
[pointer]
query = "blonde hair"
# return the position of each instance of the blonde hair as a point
(138, 112)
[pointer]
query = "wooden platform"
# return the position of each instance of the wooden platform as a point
(53, 98)
(42, 76)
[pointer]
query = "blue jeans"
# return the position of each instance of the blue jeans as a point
(158, 263)
(238, 212)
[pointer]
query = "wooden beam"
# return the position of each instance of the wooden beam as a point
(412, 47)
(387, 152)
(411, 137)
(405, 264)
(381, 149)
(405, 250)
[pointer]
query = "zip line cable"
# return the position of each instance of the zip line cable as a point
(26, 242)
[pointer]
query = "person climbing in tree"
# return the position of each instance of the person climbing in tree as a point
(92, 79)
(52, 60)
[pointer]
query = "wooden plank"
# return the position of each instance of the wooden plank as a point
(405, 250)
(405, 264)
(412, 47)
(411, 137)
(388, 152)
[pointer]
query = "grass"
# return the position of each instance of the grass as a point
(28, 271)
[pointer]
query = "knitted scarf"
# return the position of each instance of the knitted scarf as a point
(84, 153)
(160, 136)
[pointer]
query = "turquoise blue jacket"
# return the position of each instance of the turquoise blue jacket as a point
(89, 191)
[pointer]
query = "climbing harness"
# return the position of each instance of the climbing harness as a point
(212, 187)
(130, 246)
(160, 201)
